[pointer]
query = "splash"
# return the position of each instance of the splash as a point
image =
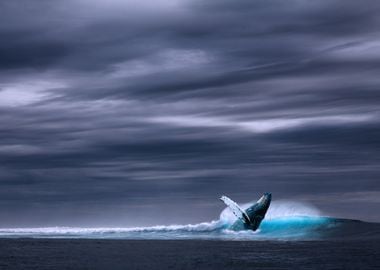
(281, 209)
(285, 220)
(278, 209)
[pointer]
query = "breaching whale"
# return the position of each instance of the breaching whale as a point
(251, 217)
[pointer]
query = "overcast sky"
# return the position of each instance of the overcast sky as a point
(144, 112)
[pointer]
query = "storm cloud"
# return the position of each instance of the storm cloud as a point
(139, 112)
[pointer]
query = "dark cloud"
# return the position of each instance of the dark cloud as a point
(148, 109)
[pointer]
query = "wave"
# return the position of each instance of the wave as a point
(284, 221)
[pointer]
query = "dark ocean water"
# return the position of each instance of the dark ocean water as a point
(187, 254)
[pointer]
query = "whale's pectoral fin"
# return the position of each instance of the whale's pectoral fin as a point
(236, 209)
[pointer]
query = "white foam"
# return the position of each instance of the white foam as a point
(204, 226)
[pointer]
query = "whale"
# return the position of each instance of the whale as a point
(250, 218)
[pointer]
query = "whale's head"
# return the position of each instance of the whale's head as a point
(263, 203)
(257, 211)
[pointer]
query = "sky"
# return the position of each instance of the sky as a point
(131, 113)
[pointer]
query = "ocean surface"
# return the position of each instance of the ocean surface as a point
(121, 254)
(293, 236)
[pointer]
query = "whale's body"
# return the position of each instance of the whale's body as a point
(250, 218)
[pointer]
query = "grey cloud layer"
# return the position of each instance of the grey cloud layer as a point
(147, 109)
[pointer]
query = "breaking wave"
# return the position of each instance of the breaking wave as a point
(284, 221)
